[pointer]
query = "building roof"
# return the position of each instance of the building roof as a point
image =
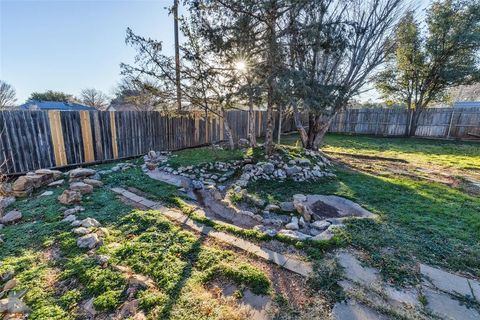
(466, 104)
(55, 105)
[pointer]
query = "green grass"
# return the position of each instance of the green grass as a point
(58, 276)
(419, 221)
(196, 156)
(454, 154)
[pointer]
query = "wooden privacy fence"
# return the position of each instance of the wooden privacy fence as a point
(459, 123)
(32, 140)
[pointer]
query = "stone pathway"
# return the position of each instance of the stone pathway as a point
(371, 298)
(301, 267)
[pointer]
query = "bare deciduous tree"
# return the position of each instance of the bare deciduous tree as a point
(336, 48)
(94, 98)
(7, 95)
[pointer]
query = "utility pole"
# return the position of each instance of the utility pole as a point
(177, 55)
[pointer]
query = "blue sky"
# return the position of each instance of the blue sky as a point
(68, 45)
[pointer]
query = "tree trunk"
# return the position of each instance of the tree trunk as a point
(252, 135)
(228, 131)
(280, 116)
(414, 122)
(318, 127)
(299, 125)
(269, 129)
(272, 62)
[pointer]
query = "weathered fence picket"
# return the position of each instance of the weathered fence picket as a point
(32, 140)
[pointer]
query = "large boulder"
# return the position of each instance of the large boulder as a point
(69, 197)
(11, 217)
(81, 173)
(81, 187)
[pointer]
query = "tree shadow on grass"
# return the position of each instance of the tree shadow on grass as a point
(419, 220)
(192, 257)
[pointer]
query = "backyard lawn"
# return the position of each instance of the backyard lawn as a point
(419, 220)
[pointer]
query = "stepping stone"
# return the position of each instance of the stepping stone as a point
(402, 296)
(355, 271)
(444, 306)
(355, 311)
(475, 288)
(446, 281)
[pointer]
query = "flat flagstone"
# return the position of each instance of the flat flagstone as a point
(355, 271)
(297, 266)
(355, 311)
(446, 281)
(475, 285)
(148, 203)
(444, 306)
(402, 296)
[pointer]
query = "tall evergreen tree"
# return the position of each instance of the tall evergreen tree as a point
(425, 65)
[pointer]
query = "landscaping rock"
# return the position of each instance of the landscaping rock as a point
(81, 231)
(46, 194)
(70, 197)
(11, 217)
(52, 174)
(89, 222)
(320, 224)
(74, 210)
(70, 218)
(13, 305)
(81, 173)
(9, 285)
(293, 225)
(294, 234)
(287, 206)
(81, 187)
(5, 189)
(325, 235)
(5, 202)
(272, 207)
(76, 223)
(93, 182)
(137, 280)
(102, 259)
(22, 186)
(56, 183)
(344, 207)
(89, 241)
